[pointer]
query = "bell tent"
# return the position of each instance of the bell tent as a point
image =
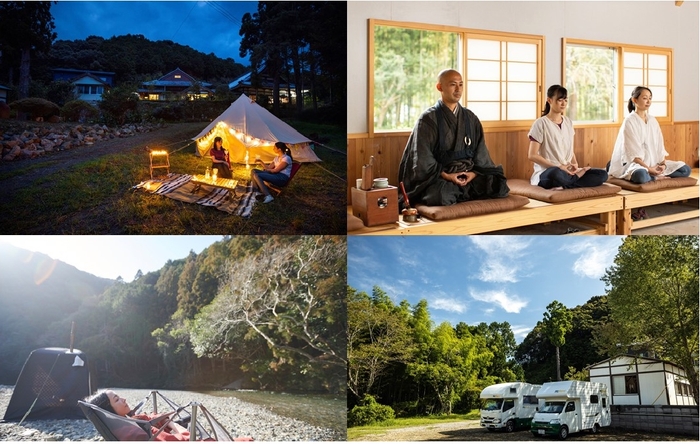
(248, 130)
(50, 385)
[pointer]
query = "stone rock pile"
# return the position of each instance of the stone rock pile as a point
(31, 141)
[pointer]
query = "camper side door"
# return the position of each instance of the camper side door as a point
(571, 416)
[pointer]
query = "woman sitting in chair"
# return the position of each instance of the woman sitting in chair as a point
(220, 159)
(113, 403)
(276, 172)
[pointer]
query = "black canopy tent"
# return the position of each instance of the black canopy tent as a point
(50, 385)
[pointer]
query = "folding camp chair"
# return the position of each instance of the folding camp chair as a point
(278, 190)
(113, 427)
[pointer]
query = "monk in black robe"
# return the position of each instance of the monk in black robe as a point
(446, 160)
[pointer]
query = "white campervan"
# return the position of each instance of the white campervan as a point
(508, 406)
(571, 406)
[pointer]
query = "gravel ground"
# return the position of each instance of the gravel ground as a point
(472, 431)
(238, 417)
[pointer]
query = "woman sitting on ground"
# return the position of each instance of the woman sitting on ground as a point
(220, 159)
(276, 172)
(552, 148)
(113, 403)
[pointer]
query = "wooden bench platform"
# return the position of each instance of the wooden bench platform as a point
(535, 212)
(676, 196)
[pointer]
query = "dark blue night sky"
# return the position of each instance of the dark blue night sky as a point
(205, 26)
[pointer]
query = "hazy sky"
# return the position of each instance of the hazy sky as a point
(113, 256)
(205, 26)
(475, 279)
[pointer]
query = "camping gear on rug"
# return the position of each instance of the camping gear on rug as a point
(199, 421)
(249, 131)
(49, 386)
(239, 201)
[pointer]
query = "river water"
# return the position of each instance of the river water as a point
(320, 410)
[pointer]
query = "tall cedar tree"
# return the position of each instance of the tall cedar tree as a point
(25, 28)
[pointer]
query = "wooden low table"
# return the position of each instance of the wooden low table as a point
(220, 182)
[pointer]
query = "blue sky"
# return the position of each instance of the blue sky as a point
(205, 26)
(475, 279)
(113, 256)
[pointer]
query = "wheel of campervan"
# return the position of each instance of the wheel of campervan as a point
(563, 432)
(510, 426)
(595, 428)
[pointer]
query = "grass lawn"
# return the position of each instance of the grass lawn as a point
(356, 433)
(95, 197)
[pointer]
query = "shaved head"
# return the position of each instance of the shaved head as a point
(445, 72)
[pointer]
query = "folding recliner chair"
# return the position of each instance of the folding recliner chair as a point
(278, 190)
(114, 427)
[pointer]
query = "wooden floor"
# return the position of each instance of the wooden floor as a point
(674, 210)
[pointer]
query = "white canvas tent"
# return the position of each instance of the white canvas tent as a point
(248, 129)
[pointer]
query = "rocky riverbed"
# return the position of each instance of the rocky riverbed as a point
(238, 417)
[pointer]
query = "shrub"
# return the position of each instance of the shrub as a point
(369, 411)
(36, 107)
(118, 102)
(79, 111)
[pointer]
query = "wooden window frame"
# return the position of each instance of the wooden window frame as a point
(463, 34)
(621, 112)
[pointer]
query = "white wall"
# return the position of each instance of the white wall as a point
(655, 23)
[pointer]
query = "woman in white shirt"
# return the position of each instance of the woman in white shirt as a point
(639, 154)
(552, 148)
(276, 172)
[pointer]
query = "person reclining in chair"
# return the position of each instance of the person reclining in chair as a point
(113, 403)
(108, 400)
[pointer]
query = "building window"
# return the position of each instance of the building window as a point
(405, 73)
(625, 385)
(502, 78)
(591, 83)
(502, 73)
(600, 78)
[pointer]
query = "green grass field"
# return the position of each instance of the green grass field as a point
(95, 196)
(356, 433)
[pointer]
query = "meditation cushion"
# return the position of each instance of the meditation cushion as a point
(655, 185)
(472, 208)
(525, 188)
(354, 223)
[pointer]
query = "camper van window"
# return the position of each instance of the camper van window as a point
(571, 407)
(553, 407)
(530, 399)
(492, 404)
(508, 404)
(604, 403)
(594, 399)
(513, 390)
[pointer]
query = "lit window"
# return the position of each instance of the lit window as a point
(600, 79)
(178, 76)
(591, 83)
(501, 73)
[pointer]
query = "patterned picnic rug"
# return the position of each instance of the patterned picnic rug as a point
(179, 187)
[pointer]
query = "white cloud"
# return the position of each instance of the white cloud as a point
(520, 331)
(449, 304)
(594, 258)
(496, 270)
(502, 254)
(509, 303)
